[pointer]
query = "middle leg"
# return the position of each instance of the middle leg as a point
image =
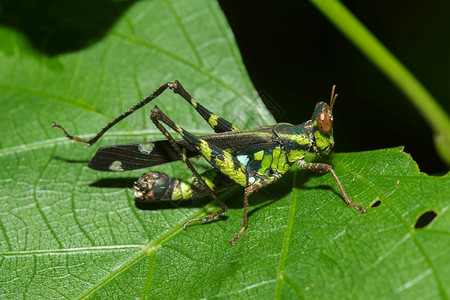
(222, 160)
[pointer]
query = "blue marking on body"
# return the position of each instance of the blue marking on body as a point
(243, 159)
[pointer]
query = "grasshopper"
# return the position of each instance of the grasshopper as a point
(251, 158)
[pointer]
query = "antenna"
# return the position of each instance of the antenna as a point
(333, 97)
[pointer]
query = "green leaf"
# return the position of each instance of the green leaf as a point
(69, 232)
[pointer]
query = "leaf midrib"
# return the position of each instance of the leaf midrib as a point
(148, 250)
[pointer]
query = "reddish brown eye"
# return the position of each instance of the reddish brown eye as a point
(324, 122)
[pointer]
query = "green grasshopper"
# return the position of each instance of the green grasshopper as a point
(251, 158)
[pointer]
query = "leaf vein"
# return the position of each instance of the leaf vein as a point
(409, 229)
(38, 206)
(286, 241)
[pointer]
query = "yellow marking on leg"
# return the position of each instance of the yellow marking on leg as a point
(205, 149)
(212, 121)
(179, 129)
(226, 166)
(194, 102)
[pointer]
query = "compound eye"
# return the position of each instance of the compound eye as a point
(324, 122)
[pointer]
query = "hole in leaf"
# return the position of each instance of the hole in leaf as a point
(425, 219)
(376, 203)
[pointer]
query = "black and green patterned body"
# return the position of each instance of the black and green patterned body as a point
(251, 158)
(265, 154)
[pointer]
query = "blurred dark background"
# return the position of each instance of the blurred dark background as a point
(294, 54)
